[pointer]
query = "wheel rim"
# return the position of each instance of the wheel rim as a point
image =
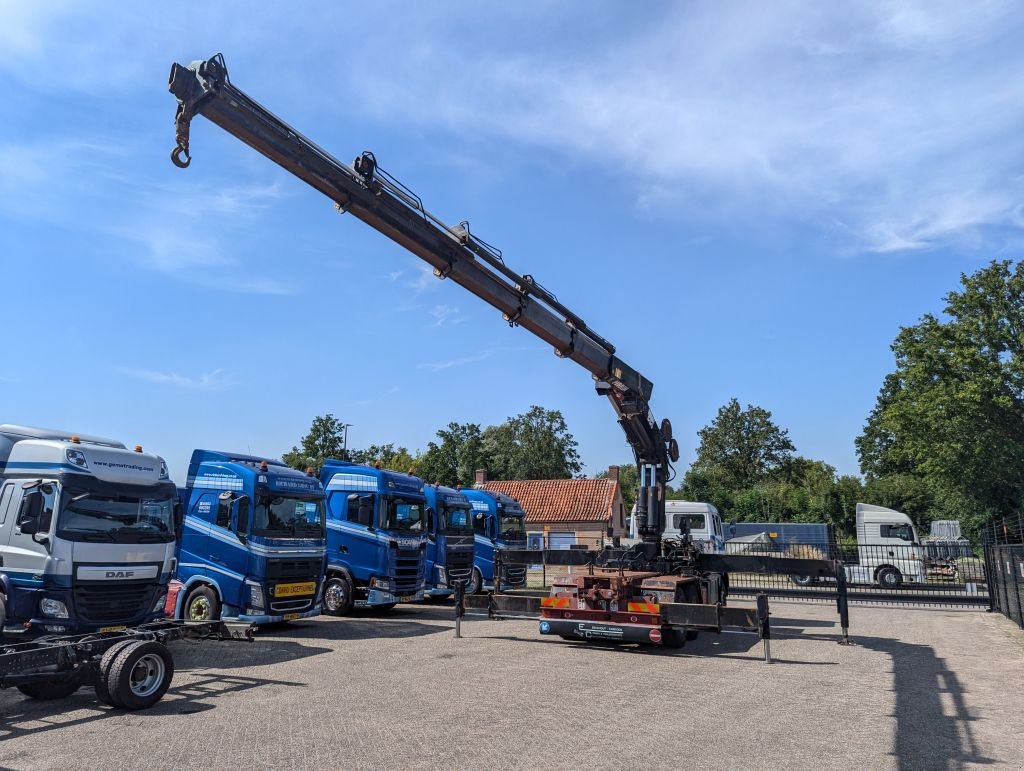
(199, 609)
(334, 596)
(147, 675)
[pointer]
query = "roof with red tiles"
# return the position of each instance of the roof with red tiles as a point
(560, 500)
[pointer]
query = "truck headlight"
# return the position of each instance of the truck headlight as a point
(380, 583)
(77, 457)
(161, 601)
(256, 595)
(442, 577)
(53, 608)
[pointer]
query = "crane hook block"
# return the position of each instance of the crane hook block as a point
(180, 157)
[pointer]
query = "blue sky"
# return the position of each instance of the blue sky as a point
(747, 199)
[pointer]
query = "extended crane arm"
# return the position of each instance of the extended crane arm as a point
(367, 192)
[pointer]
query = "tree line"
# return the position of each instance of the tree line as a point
(945, 439)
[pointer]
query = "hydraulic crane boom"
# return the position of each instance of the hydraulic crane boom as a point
(369, 193)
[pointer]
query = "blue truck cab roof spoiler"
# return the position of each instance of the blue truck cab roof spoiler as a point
(372, 480)
(279, 476)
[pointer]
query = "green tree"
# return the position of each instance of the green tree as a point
(454, 460)
(534, 445)
(387, 455)
(326, 439)
(744, 447)
(952, 413)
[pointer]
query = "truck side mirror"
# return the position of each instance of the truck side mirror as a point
(179, 516)
(224, 508)
(243, 516)
(30, 511)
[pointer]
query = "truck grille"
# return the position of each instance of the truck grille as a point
(291, 606)
(113, 603)
(408, 571)
(294, 569)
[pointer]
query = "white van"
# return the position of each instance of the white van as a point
(702, 520)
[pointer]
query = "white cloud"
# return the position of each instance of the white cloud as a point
(446, 314)
(437, 366)
(214, 380)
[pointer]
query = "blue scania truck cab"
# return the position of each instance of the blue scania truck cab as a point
(87, 533)
(449, 540)
(376, 537)
(253, 541)
(499, 522)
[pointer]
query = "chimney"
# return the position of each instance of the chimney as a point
(613, 473)
(481, 476)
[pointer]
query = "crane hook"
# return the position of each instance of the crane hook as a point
(180, 157)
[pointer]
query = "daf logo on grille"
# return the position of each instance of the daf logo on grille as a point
(120, 573)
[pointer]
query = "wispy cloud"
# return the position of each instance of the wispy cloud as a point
(446, 314)
(472, 358)
(214, 381)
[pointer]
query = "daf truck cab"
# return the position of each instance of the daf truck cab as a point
(499, 522)
(376, 537)
(449, 540)
(87, 532)
(254, 540)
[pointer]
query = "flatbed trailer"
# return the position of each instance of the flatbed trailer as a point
(131, 668)
(610, 601)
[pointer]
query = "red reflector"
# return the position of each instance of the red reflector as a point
(655, 635)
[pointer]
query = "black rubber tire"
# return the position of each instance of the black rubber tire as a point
(338, 585)
(50, 691)
(889, 578)
(130, 666)
(206, 602)
(691, 635)
(673, 638)
(102, 692)
(3, 615)
(475, 583)
(803, 580)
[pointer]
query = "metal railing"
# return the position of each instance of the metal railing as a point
(1004, 559)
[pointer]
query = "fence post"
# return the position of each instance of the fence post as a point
(460, 607)
(842, 602)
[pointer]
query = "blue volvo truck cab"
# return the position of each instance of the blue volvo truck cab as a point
(376, 537)
(499, 522)
(253, 541)
(449, 540)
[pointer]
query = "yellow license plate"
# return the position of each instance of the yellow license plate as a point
(112, 628)
(290, 590)
(406, 598)
(290, 616)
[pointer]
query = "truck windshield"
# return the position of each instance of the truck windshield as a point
(286, 517)
(403, 514)
(512, 525)
(94, 515)
(456, 519)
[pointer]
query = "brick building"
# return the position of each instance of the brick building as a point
(564, 512)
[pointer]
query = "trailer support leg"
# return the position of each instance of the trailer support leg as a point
(842, 604)
(764, 629)
(460, 607)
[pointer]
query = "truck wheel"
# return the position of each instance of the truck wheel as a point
(475, 582)
(338, 596)
(201, 604)
(50, 691)
(3, 615)
(140, 675)
(803, 580)
(674, 638)
(106, 662)
(889, 578)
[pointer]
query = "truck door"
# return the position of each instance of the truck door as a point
(24, 557)
(194, 551)
(483, 550)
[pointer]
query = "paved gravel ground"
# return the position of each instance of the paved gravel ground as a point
(921, 689)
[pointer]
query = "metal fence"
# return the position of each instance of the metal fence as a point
(920, 574)
(1004, 558)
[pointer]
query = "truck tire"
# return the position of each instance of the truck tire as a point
(338, 597)
(475, 582)
(889, 578)
(201, 604)
(140, 675)
(3, 615)
(106, 662)
(52, 690)
(673, 638)
(803, 580)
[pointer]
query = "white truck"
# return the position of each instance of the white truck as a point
(889, 552)
(701, 520)
(87, 533)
